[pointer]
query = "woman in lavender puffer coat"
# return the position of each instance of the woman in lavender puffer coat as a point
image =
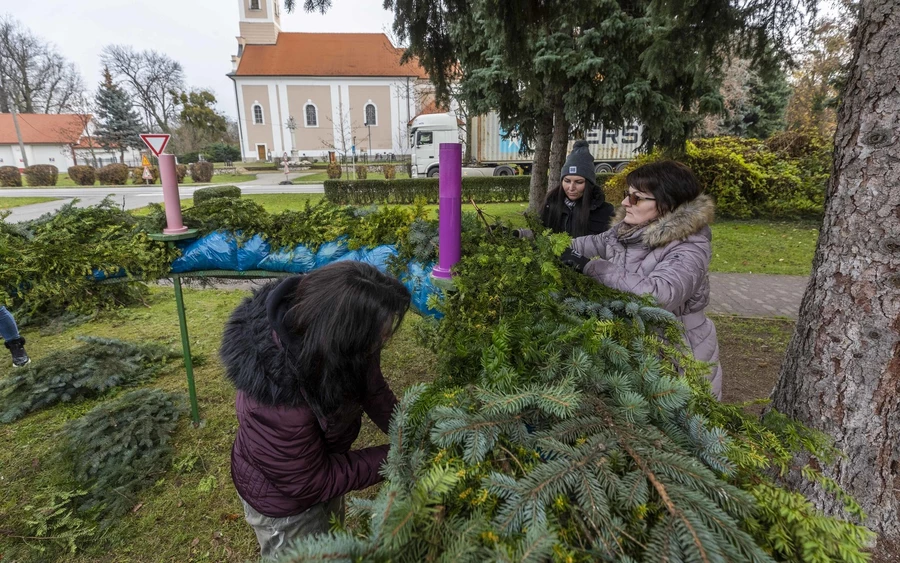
(304, 355)
(660, 245)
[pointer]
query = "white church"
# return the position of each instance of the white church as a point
(306, 94)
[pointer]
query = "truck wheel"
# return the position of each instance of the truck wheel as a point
(621, 166)
(504, 171)
(433, 172)
(603, 168)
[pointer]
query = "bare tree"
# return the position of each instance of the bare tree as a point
(33, 74)
(150, 77)
(344, 140)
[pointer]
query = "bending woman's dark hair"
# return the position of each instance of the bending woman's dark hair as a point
(336, 322)
(551, 209)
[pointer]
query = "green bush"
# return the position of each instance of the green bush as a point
(362, 171)
(41, 175)
(10, 177)
(784, 177)
(390, 171)
(113, 175)
(89, 370)
(334, 171)
(83, 175)
(201, 172)
(222, 152)
(482, 190)
(189, 157)
(205, 194)
(181, 171)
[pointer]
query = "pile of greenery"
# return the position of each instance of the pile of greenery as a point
(50, 265)
(567, 426)
(782, 177)
(89, 370)
(109, 456)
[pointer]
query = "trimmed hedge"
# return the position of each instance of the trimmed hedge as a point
(362, 171)
(113, 175)
(201, 172)
(10, 177)
(42, 175)
(390, 172)
(334, 171)
(206, 194)
(181, 171)
(83, 175)
(483, 190)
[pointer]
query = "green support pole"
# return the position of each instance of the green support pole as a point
(182, 320)
(186, 350)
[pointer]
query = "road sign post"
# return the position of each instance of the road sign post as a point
(169, 179)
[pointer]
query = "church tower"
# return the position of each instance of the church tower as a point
(260, 21)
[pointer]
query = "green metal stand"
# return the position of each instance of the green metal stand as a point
(182, 322)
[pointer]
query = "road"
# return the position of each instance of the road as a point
(133, 197)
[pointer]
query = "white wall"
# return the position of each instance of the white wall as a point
(6, 155)
(57, 155)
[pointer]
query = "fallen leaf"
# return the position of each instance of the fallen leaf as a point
(217, 535)
(179, 504)
(231, 516)
(137, 507)
(195, 542)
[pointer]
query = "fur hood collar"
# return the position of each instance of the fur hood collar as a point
(686, 220)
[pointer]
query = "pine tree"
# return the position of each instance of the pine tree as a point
(118, 124)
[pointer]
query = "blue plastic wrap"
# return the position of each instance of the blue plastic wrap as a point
(379, 256)
(358, 255)
(417, 280)
(98, 274)
(251, 253)
(297, 260)
(331, 251)
(215, 251)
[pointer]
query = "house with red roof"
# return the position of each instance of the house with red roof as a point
(62, 140)
(306, 94)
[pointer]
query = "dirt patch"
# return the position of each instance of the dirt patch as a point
(751, 351)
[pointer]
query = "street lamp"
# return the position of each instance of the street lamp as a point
(369, 127)
(292, 125)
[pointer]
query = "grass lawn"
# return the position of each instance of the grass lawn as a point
(319, 177)
(10, 202)
(177, 518)
(63, 181)
(191, 512)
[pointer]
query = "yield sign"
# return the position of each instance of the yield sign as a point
(156, 142)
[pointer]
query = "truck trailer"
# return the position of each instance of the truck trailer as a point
(494, 153)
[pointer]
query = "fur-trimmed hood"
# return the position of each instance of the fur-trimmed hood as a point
(687, 219)
(253, 359)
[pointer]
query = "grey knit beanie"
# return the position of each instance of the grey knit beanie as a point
(579, 163)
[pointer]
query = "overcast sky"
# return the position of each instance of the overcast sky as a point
(200, 34)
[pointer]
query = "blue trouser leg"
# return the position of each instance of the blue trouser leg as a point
(8, 329)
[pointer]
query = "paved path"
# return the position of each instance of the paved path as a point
(756, 295)
(133, 197)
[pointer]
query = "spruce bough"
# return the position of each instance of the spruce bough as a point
(564, 427)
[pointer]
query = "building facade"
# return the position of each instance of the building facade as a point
(62, 140)
(308, 94)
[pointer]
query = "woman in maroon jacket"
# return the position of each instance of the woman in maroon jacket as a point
(304, 355)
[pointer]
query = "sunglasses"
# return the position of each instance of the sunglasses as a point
(634, 199)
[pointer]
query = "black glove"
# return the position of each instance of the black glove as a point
(571, 258)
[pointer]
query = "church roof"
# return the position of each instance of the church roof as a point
(43, 128)
(327, 54)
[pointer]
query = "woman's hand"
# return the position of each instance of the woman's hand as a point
(573, 259)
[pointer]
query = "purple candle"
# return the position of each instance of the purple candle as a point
(171, 199)
(450, 214)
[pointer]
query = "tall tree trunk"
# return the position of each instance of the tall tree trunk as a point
(542, 141)
(841, 373)
(559, 145)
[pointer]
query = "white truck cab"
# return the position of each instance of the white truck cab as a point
(426, 135)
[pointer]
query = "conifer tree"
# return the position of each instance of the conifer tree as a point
(118, 124)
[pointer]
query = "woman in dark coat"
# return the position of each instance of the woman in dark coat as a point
(304, 355)
(577, 205)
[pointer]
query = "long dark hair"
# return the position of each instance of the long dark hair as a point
(340, 318)
(552, 208)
